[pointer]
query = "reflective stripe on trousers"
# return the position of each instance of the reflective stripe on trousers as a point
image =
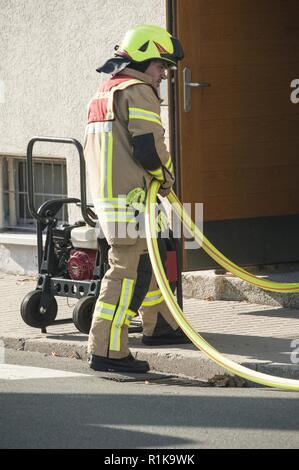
(153, 298)
(118, 316)
(121, 314)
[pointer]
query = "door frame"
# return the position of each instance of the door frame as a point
(173, 99)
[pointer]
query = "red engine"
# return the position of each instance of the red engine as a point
(81, 264)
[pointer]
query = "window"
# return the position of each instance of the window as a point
(50, 182)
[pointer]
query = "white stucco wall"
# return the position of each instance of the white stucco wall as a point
(49, 51)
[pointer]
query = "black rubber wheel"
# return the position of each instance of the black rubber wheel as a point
(30, 310)
(82, 313)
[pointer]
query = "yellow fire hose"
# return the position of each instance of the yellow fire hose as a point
(222, 260)
(196, 338)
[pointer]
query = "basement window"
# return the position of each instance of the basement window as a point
(50, 182)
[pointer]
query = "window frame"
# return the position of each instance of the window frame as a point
(15, 221)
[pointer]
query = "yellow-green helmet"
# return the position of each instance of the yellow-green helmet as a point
(145, 42)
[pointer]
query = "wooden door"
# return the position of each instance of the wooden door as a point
(239, 143)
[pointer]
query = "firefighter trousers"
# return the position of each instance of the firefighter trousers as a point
(128, 286)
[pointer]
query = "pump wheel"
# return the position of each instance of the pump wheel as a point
(30, 310)
(82, 313)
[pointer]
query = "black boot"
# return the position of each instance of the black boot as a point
(165, 334)
(174, 337)
(127, 364)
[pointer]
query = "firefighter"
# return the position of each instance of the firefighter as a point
(124, 150)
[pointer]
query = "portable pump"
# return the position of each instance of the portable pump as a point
(63, 246)
(72, 261)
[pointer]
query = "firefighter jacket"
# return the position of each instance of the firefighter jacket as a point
(124, 149)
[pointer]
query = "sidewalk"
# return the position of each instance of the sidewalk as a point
(258, 336)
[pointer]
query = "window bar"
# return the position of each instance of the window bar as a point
(64, 179)
(43, 181)
(52, 178)
(2, 211)
(52, 181)
(23, 193)
(16, 189)
(12, 194)
(62, 190)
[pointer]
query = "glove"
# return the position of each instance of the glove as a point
(167, 184)
(165, 189)
(136, 199)
(161, 222)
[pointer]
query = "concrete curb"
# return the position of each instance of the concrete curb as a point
(190, 364)
(206, 285)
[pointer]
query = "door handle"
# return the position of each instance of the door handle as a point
(188, 84)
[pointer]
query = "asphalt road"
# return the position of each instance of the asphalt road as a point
(65, 405)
